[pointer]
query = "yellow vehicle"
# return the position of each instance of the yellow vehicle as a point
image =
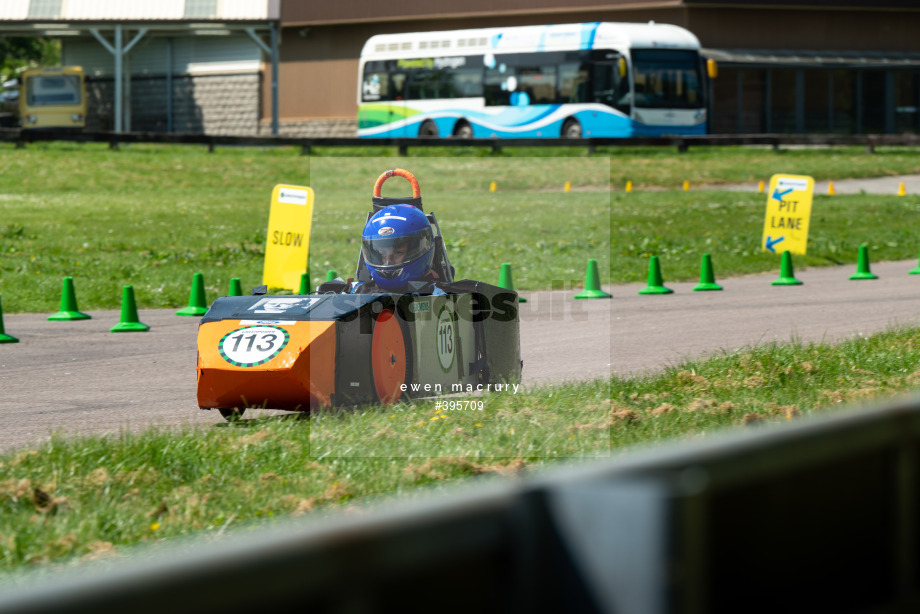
(53, 98)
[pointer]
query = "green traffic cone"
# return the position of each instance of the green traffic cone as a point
(236, 289)
(655, 283)
(68, 304)
(916, 270)
(786, 275)
(592, 283)
(862, 265)
(197, 304)
(707, 277)
(4, 338)
(304, 283)
(505, 281)
(129, 322)
(331, 274)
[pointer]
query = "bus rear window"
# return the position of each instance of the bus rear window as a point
(53, 90)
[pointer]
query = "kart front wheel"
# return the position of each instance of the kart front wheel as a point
(232, 413)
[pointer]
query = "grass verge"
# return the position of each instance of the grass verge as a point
(95, 497)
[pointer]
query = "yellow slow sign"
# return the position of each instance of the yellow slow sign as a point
(288, 243)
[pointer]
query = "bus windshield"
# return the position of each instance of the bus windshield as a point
(45, 90)
(667, 79)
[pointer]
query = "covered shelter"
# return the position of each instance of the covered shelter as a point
(145, 59)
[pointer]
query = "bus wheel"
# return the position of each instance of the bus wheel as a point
(428, 129)
(463, 130)
(571, 129)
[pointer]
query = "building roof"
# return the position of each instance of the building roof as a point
(812, 59)
(68, 11)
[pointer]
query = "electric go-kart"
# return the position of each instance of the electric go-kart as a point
(331, 348)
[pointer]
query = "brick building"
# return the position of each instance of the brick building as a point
(816, 66)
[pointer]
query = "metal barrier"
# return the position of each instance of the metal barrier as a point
(682, 143)
(815, 516)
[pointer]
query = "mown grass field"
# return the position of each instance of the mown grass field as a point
(152, 216)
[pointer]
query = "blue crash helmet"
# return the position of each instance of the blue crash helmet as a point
(397, 246)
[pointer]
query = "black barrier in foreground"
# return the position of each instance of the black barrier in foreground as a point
(870, 141)
(815, 516)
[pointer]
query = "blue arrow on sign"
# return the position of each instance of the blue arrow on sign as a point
(777, 195)
(771, 242)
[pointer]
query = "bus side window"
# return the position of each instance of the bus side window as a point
(466, 83)
(375, 86)
(495, 88)
(610, 88)
(398, 83)
(573, 83)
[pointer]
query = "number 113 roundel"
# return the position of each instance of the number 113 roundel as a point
(252, 346)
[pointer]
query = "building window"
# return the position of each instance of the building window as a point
(201, 9)
(906, 115)
(872, 95)
(45, 9)
(816, 101)
(844, 86)
(782, 100)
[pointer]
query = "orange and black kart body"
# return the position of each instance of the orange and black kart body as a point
(349, 349)
(298, 352)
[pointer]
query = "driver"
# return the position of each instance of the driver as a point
(398, 249)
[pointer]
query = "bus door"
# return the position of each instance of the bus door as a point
(383, 105)
(610, 82)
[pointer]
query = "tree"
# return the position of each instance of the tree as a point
(20, 52)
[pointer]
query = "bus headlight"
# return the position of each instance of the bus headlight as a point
(76, 117)
(31, 119)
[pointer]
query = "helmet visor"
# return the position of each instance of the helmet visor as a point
(383, 251)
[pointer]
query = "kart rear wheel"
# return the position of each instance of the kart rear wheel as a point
(389, 357)
(232, 413)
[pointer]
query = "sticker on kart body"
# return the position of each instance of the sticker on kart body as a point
(253, 345)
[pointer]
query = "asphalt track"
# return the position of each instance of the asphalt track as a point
(78, 378)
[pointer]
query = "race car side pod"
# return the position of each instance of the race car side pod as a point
(4, 338)
(69, 309)
(592, 283)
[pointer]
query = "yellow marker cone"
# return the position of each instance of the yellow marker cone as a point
(568, 186)
(629, 186)
(901, 190)
(493, 186)
(830, 188)
(686, 186)
(760, 188)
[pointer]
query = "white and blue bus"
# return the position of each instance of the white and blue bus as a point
(570, 80)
